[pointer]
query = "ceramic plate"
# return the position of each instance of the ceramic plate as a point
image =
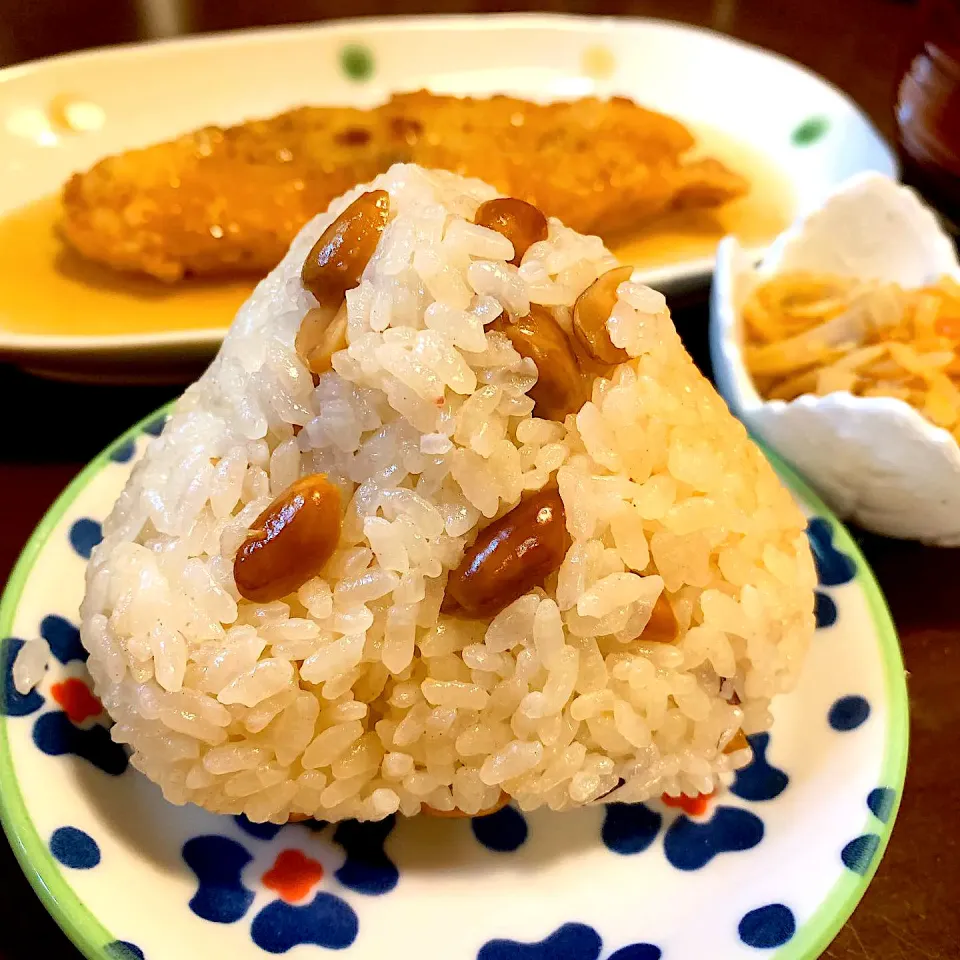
(62, 115)
(771, 867)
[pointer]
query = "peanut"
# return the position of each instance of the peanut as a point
(591, 312)
(511, 556)
(560, 387)
(520, 222)
(290, 541)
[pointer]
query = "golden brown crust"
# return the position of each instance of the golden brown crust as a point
(221, 201)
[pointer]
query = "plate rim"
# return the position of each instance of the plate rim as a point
(105, 347)
(90, 936)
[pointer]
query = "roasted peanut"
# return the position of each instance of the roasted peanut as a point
(560, 388)
(511, 556)
(520, 222)
(290, 541)
(591, 312)
(662, 625)
(323, 331)
(335, 263)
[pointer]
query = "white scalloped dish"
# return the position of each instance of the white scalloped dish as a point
(877, 461)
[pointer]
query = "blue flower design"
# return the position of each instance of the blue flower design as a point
(630, 827)
(63, 638)
(55, 735)
(503, 831)
(572, 941)
(880, 802)
(261, 831)
(75, 848)
(834, 568)
(767, 927)
(760, 780)
(824, 610)
(848, 713)
(123, 950)
(689, 845)
(326, 921)
(14, 704)
(155, 426)
(367, 868)
(84, 535)
(123, 453)
(219, 862)
(637, 951)
(858, 854)
(53, 732)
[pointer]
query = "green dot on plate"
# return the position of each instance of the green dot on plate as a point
(810, 131)
(357, 61)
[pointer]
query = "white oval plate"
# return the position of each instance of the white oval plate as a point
(771, 867)
(810, 132)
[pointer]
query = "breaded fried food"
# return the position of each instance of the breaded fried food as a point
(230, 200)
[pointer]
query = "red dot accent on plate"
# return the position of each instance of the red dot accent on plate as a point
(77, 700)
(293, 875)
(695, 806)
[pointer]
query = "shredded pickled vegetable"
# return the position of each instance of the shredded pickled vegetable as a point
(818, 334)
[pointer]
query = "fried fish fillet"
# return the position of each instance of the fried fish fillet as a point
(230, 200)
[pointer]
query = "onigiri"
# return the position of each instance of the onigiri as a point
(451, 519)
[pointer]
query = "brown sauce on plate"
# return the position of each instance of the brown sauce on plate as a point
(755, 219)
(48, 289)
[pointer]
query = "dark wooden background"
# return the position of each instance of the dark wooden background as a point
(911, 910)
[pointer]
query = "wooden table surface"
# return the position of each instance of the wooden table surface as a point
(910, 911)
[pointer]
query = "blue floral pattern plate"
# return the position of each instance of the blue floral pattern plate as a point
(770, 867)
